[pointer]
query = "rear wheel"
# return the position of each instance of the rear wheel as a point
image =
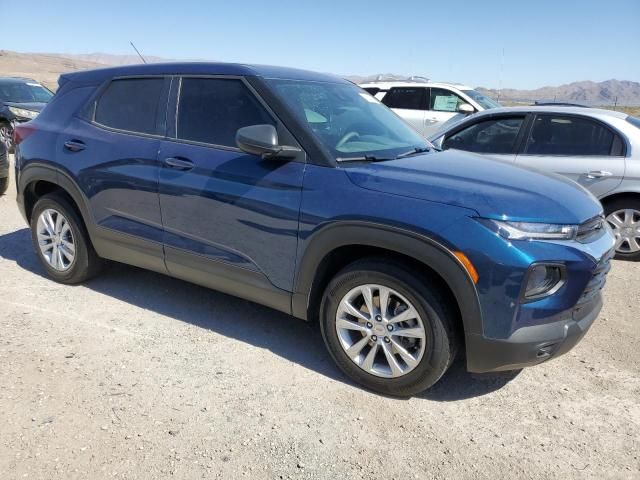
(61, 241)
(623, 215)
(387, 328)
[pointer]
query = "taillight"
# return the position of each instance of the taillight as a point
(21, 132)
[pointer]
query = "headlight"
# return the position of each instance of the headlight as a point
(21, 112)
(531, 231)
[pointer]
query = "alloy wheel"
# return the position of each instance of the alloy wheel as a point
(55, 239)
(6, 136)
(380, 331)
(626, 227)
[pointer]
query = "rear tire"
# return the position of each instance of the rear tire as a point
(378, 343)
(623, 215)
(61, 241)
(4, 184)
(6, 135)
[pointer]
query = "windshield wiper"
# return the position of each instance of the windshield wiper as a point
(415, 151)
(364, 158)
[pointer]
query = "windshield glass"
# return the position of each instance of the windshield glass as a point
(347, 120)
(485, 102)
(634, 121)
(24, 92)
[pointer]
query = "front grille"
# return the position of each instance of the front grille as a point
(598, 278)
(591, 229)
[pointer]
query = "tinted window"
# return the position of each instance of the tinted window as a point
(212, 110)
(410, 98)
(489, 136)
(484, 101)
(560, 135)
(131, 105)
(444, 100)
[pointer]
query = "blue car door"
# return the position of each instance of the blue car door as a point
(230, 218)
(112, 155)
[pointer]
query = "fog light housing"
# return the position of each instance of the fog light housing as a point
(543, 280)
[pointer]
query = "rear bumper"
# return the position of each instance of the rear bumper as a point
(534, 344)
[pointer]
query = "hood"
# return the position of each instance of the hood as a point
(33, 106)
(493, 188)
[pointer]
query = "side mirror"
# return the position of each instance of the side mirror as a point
(466, 109)
(438, 142)
(263, 140)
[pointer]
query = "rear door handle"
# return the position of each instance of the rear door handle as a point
(599, 174)
(178, 163)
(74, 145)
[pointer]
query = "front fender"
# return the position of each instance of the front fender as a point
(361, 233)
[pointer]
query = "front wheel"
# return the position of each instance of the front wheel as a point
(6, 135)
(387, 328)
(623, 215)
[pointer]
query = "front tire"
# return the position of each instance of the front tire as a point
(61, 241)
(623, 215)
(4, 184)
(387, 328)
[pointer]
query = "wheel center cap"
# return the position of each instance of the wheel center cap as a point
(379, 329)
(627, 231)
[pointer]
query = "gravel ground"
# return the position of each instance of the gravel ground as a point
(137, 375)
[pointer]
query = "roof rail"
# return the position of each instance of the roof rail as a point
(544, 103)
(393, 78)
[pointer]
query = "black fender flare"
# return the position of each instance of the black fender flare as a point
(36, 172)
(422, 248)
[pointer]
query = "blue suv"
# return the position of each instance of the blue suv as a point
(302, 192)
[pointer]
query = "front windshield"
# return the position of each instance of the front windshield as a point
(24, 92)
(484, 101)
(347, 120)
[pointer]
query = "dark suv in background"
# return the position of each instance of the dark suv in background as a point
(302, 192)
(21, 99)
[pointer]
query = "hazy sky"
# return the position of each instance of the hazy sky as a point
(544, 42)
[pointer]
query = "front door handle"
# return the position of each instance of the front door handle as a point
(178, 163)
(598, 174)
(74, 145)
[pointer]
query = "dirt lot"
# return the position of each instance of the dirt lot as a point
(137, 375)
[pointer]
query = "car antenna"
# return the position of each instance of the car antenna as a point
(139, 54)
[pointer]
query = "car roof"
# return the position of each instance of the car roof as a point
(387, 85)
(587, 111)
(201, 68)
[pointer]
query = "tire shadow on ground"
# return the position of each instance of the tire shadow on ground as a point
(282, 334)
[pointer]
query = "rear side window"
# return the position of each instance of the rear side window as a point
(444, 100)
(565, 135)
(131, 105)
(489, 136)
(212, 110)
(408, 98)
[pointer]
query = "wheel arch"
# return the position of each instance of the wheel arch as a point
(635, 194)
(38, 180)
(337, 245)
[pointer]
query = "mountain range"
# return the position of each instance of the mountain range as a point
(46, 67)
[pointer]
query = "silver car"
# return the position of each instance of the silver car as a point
(600, 149)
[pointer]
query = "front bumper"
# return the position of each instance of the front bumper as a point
(532, 345)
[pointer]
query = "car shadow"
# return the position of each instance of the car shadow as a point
(283, 335)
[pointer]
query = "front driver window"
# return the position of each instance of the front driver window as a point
(488, 136)
(444, 100)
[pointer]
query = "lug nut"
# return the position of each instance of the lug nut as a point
(390, 328)
(369, 325)
(374, 338)
(378, 318)
(387, 339)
